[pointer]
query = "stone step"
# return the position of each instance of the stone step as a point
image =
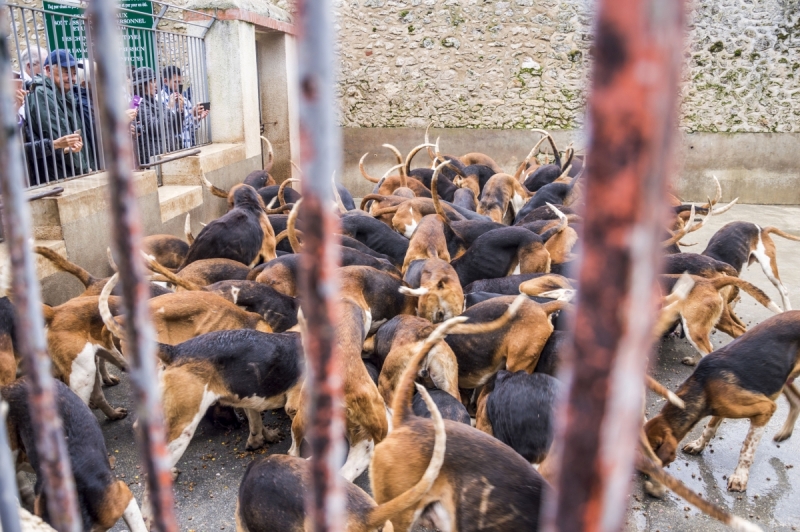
(176, 200)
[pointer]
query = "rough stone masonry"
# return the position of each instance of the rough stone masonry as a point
(524, 63)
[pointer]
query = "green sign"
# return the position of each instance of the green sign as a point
(66, 29)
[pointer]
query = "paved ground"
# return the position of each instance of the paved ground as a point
(212, 466)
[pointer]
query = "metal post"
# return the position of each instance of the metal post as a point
(127, 235)
(9, 508)
(321, 155)
(632, 107)
(54, 464)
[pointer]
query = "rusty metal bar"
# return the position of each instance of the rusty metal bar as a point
(9, 507)
(321, 151)
(51, 448)
(632, 116)
(127, 236)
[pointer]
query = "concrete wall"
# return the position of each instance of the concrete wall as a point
(85, 221)
(758, 168)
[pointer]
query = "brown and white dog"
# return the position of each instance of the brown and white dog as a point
(183, 315)
(437, 288)
(502, 198)
(102, 499)
(740, 243)
(79, 345)
(706, 307)
(366, 416)
(243, 234)
(740, 380)
(482, 485)
(273, 491)
(395, 344)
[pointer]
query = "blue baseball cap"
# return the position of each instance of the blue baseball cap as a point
(62, 58)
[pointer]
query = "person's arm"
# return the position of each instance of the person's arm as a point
(43, 116)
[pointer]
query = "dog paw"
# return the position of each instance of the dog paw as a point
(689, 361)
(119, 413)
(271, 435)
(110, 380)
(255, 441)
(782, 435)
(654, 489)
(693, 447)
(737, 482)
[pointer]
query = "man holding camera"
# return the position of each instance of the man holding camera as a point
(172, 94)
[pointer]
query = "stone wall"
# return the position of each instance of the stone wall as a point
(524, 63)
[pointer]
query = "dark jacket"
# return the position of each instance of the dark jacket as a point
(161, 129)
(90, 137)
(49, 114)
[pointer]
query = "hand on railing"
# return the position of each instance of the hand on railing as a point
(69, 143)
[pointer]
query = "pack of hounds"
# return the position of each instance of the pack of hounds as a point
(456, 284)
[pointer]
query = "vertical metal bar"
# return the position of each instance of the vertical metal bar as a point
(9, 507)
(204, 78)
(632, 118)
(15, 33)
(319, 284)
(96, 128)
(51, 448)
(127, 235)
(38, 111)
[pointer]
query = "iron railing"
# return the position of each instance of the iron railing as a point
(166, 82)
(632, 109)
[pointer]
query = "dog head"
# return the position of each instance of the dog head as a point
(661, 439)
(440, 294)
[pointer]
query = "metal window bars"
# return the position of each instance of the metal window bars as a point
(54, 109)
(631, 110)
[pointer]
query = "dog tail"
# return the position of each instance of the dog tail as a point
(370, 197)
(521, 174)
(215, 190)
(48, 313)
(787, 236)
(102, 305)
(437, 204)
(412, 153)
(154, 266)
(552, 142)
(557, 229)
(387, 210)
(270, 155)
(187, 229)
(165, 353)
(282, 188)
(755, 292)
(383, 512)
(364, 173)
(654, 471)
(663, 391)
(290, 228)
(491, 326)
(63, 264)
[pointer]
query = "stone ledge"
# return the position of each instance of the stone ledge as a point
(187, 171)
(175, 200)
(81, 198)
(44, 268)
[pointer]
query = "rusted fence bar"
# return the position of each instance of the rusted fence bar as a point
(321, 155)
(126, 241)
(637, 51)
(59, 486)
(9, 513)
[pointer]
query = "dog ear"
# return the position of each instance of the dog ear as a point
(413, 291)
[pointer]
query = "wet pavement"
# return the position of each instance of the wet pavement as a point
(213, 465)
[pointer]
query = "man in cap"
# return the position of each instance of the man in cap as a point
(52, 112)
